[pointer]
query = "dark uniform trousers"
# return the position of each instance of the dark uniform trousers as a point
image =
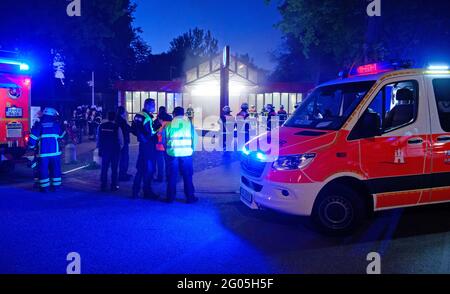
(124, 160)
(174, 166)
(109, 159)
(145, 169)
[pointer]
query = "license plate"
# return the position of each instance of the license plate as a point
(14, 112)
(247, 196)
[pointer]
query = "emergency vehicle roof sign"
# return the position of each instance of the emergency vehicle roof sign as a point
(7, 83)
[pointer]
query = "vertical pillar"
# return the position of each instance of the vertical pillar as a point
(225, 79)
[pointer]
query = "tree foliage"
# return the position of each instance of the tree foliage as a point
(341, 32)
(102, 39)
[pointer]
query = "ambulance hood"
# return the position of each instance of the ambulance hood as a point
(297, 140)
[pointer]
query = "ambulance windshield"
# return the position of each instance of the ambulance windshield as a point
(328, 107)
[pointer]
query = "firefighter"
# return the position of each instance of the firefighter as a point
(146, 135)
(227, 122)
(121, 120)
(46, 135)
(190, 112)
(271, 115)
(110, 142)
(282, 115)
(179, 139)
(161, 121)
(243, 126)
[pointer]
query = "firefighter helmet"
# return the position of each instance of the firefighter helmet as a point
(226, 109)
(244, 106)
(50, 111)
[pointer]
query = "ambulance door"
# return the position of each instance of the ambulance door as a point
(396, 157)
(439, 97)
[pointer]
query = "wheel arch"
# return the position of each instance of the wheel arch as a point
(357, 185)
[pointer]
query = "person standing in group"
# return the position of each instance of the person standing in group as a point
(179, 139)
(110, 142)
(243, 126)
(282, 115)
(190, 113)
(143, 129)
(45, 136)
(122, 121)
(271, 115)
(161, 121)
(227, 122)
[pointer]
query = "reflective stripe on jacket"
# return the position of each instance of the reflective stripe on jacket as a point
(179, 137)
(45, 136)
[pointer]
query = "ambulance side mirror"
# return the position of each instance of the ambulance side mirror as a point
(368, 126)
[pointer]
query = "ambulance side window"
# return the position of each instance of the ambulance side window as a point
(394, 107)
(442, 94)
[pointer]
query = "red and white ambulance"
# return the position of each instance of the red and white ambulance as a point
(15, 87)
(376, 139)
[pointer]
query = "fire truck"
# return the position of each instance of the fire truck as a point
(15, 86)
(377, 138)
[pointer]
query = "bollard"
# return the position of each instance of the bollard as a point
(97, 159)
(70, 155)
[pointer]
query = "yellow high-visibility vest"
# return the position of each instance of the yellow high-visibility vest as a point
(180, 137)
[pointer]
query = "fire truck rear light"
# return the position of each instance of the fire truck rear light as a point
(27, 82)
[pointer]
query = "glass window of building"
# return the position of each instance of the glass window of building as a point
(136, 102)
(153, 95)
(260, 102)
(203, 69)
(129, 104)
(292, 102)
(191, 75)
(252, 99)
(178, 99)
(253, 75)
(276, 101)
(242, 69)
(170, 102)
(216, 63)
(285, 101)
(268, 98)
(161, 99)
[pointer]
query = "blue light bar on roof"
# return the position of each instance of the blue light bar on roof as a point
(22, 66)
(438, 69)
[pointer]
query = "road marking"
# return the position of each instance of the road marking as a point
(75, 169)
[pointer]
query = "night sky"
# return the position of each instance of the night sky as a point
(245, 25)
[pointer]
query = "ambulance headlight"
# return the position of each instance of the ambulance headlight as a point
(293, 162)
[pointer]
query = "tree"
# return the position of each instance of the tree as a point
(341, 33)
(102, 40)
(191, 48)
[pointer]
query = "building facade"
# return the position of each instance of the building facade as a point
(201, 90)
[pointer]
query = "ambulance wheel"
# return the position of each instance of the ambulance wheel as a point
(338, 210)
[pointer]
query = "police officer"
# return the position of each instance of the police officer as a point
(109, 143)
(282, 115)
(160, 123)
(228, 123)
(243, 125)
(143, 129)
(45, 135)
(121, 120)
(180, 138)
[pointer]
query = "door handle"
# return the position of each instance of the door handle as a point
(443, 139)
(415, 141)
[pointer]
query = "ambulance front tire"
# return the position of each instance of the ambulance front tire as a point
(338, 210)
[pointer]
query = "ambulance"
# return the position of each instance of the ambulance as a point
(377, 138)
(15, 86)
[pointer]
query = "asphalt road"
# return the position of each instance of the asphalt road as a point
(114, 234)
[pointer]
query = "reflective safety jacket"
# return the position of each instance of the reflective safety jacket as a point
(143, 128)
(179, 137)
(45, 136)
